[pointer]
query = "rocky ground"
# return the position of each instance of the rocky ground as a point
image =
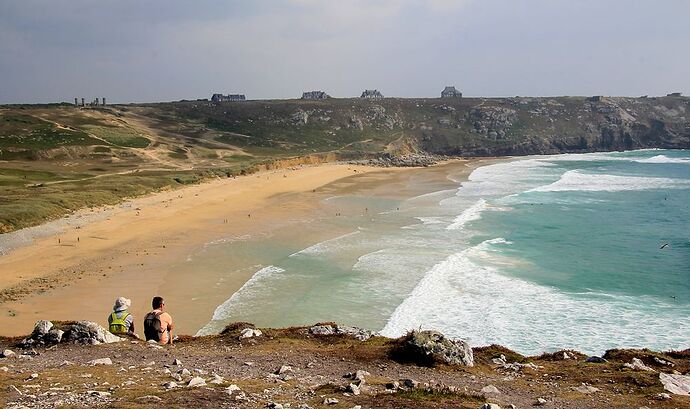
(324, 366)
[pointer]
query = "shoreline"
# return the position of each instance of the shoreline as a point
(134, 248)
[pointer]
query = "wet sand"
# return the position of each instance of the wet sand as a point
(140, 251)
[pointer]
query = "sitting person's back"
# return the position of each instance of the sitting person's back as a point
(120, 321)
(158, 325)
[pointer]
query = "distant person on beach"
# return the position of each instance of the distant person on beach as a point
(158, 324)
(120, 321)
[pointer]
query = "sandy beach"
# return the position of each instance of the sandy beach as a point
(134, 250)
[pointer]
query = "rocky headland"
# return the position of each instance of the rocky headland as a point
(78, 364)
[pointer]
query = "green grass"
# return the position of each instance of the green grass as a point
(22, 207)
(119, 136)
(26, 133)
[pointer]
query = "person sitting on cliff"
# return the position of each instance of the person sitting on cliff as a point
(158, 324)
(120, 321)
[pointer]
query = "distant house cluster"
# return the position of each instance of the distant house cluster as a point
(315, 95)
(371, 94)
(674, 94)
(93, 103)
(228, 98)
(450, 92)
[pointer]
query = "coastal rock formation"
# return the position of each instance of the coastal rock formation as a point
(675, 383)
(334, 329)
(83, 332)
(430, 347)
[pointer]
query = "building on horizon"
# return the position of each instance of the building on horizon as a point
(371, 94)
(450, 92)
(228, 98)
(675, 94)
(315, 95)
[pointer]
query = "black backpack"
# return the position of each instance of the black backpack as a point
(152, 326)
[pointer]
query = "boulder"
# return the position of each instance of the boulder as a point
(638, 365)
(54, 336)
(196, 382)
(250, 332)
(41, 328)
(7, 353)
(430, 347)
(676, 384)
(87, 332)
(489, 406)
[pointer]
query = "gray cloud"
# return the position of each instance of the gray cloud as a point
(165, 50)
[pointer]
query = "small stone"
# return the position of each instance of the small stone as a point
(489, 406)
(232, 388)
(490, 389)
(248, 364)
(32, 377)
(354, 389)
(184, 372)
(249, 333)
(274, 405)
(196, 382)
(100, 394)
(283, 369)
(177, 362)
(8, 353)
(410, 383)
(217, 379)
(540, 402)
(394, 386)
(663, 396)
(638, 365)
(356, 407)
(176, 377)
(586, 389)
(149, 398)
(596, 360)
(4, 369)
(66, 363)
(170, 385)
(100, 361)
(330, 401)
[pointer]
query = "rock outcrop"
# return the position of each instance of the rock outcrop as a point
(431, 347)
(83, 332)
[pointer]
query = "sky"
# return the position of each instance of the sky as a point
(163, 50)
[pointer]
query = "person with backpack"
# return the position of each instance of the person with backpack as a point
(120, 321)
(158, 324)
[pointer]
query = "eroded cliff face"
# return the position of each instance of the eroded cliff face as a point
(450, 126)
(523, 126)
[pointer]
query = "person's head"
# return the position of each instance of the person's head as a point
(121, 304)
(157, 303)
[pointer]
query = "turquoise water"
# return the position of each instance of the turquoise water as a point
(535, 254)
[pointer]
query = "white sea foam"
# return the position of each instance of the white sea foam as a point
(472, 213)
(574, 180)
(324, 246)
(663, 159)
(259, 280)
(465, 299)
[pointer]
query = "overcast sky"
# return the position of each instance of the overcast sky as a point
(161, 50)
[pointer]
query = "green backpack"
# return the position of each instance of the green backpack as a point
(118, 325)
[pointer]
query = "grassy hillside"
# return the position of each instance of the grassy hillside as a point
(58, 158)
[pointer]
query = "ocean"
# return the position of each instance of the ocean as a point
(581, 251)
